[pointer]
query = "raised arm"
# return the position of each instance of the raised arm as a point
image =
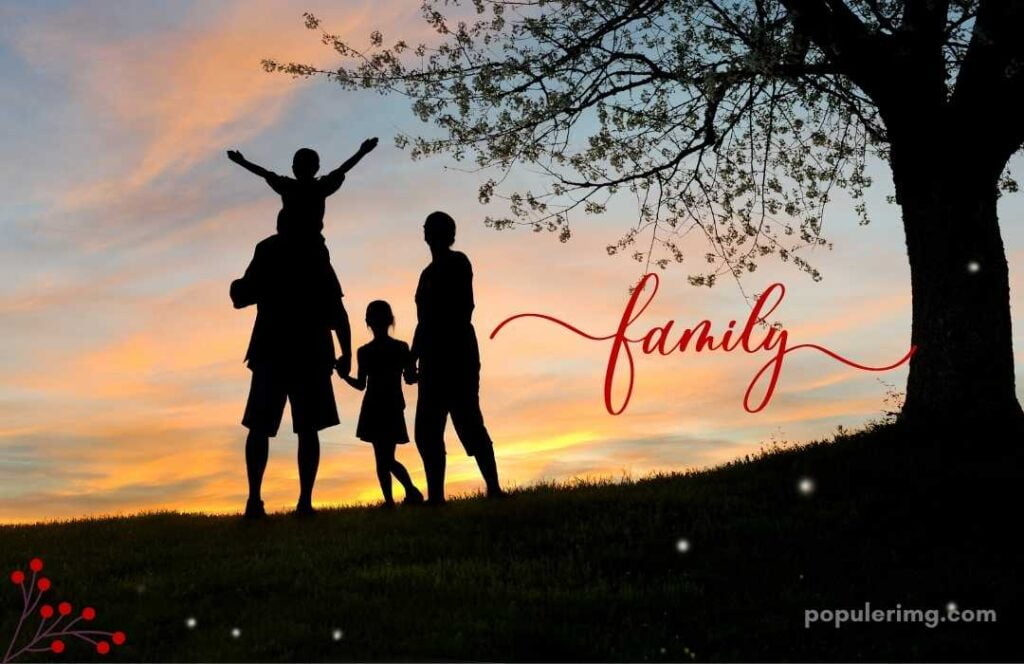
(364, 149)
(236, 156)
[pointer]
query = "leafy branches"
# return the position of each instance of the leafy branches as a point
(723, 118)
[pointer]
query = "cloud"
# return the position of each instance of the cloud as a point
(164, 99)
(174, 95)
(157, 403)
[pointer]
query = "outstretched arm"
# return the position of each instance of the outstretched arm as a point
(236, 156)
(364, 149)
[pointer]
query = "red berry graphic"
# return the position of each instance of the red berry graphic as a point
(55, 633)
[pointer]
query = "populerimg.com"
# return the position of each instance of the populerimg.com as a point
(928, 617)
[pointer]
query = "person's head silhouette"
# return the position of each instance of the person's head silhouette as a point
(379, 317)
(305, 163)
(439, 231)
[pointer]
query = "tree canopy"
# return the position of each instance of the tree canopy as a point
(737, 120)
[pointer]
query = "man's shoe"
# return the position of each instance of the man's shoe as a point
(496, 493)
(254, 509)
(304, 509)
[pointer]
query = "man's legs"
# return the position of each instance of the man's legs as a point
(257, 449)
(469, 425)
(309, 462)
(431, 417)
(262, 417)
(435, 475)
(434, 463)
(313, 408)
(489, 470)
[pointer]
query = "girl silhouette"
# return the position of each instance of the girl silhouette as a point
(382, 417)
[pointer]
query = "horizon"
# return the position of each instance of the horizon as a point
(122, 376)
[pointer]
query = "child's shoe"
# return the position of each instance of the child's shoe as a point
(413, 497)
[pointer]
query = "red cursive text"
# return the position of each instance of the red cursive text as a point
(658, 339)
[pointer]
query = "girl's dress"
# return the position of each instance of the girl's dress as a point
(382, 416)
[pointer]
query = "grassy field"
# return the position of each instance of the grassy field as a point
(589, 572)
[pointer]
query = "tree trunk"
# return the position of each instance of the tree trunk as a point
(962, 372)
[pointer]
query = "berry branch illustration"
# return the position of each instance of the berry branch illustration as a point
(55, 624)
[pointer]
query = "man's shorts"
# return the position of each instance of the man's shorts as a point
(309, 391)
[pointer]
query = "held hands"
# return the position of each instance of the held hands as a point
(343, 366)
(411, 375)
(235, 156)
(368, 145)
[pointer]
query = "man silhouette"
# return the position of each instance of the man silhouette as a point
(445, 348)
(291, 356)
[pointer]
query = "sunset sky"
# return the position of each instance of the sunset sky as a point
(121, 375)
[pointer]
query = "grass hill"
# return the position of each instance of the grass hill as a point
(584, 572)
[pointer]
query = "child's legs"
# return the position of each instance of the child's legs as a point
(431, 418)
(401, 474)
(384, 454)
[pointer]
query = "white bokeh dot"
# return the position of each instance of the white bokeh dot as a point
(973, 267)
(337, 634)
(190, 622)
(805, 486)
(951, 607)
(236, 633)
(683, 545)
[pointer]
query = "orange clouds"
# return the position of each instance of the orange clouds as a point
(180, 92)
(154, 407)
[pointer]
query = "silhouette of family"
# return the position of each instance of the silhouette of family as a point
(291, 353)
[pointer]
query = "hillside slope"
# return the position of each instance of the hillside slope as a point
(591, 572)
